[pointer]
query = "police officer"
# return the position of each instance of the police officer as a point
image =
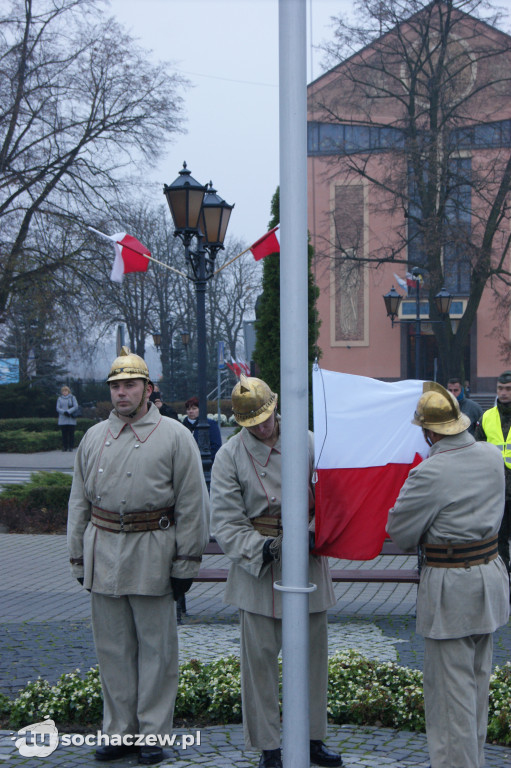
(495, 427)
(137, 528)
(452, 505)
(246, 521)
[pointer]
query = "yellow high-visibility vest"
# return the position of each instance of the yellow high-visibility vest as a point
(493, 431)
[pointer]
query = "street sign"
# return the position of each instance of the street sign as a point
(221, 355)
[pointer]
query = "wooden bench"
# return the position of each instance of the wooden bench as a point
(355, 575)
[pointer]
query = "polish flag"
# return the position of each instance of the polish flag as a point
(130, 256)
(266, 245)
(365, 446)
(233, 365)
(402, 283)
(244, 366)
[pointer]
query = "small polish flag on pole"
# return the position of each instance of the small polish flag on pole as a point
(233, 365)
(130, 256)
(266, 245)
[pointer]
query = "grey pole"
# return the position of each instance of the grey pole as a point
(294, 380)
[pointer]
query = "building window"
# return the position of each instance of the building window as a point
(347, 272)
(343, 139)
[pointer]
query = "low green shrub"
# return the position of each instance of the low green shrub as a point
(39, 505)
(72, 699)
(33, 424)
(22, 441)
(378, 692)
(361, 691)
(499, 721)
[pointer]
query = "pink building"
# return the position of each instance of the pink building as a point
(362, 198)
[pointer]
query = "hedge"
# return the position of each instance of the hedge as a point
(30, 435)
(361, 691)
(33, 424)
(39, 505)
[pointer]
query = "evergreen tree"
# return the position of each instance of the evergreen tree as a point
(267, 349)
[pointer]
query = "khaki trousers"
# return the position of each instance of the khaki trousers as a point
(137, 649)
(456, 685)
(261, 641)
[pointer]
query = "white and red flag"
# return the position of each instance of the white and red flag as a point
(233, 365)
(266, 245)
(365, 446)
(130, 256)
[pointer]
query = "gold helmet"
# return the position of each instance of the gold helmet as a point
(128, 366)
(252, 401)
(439, 411)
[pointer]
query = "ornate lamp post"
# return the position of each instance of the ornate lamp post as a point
(393, 301)
(199, 215)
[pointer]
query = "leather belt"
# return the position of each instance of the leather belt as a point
(461, 555)
(133, 522)
(267, 525)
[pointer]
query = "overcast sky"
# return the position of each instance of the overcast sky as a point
(228, 49)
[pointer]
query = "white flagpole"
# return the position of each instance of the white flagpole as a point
(150, 258)
(294, 381)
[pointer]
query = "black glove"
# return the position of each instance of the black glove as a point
(267, 555)
(66, 413)
(180, 587)
(312, 540)
(80, 581)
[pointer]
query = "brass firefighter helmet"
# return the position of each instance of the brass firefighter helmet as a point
(252, 401)
(439, 411)
(128, 366)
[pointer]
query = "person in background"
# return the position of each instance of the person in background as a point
(190, 422)
(137, 527)
(495, 427)
(66, 409)
(452, 504)
(246, 493)
(215, 441)
(467, 406)
(164, 409)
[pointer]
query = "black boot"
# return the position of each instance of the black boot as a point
(270, 758)
(112, 752)
(150, 755)
(321, 755)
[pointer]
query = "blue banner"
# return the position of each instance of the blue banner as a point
(9, 370)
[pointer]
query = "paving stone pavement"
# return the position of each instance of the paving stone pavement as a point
(45, 630)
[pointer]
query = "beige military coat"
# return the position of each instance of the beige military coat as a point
(149, 465)
(246, 483)
(454, 496)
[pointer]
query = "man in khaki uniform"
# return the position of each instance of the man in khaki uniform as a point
(246, 521)
(452, 504)
(137, 528)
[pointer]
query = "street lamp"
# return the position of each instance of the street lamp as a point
(199, 214)
(393, 301)
(156, 339)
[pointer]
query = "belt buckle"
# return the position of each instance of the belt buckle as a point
(121, 519)
(161, 523)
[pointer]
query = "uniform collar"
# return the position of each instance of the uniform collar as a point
(257, 449)
(452, 443)
(142, 428)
